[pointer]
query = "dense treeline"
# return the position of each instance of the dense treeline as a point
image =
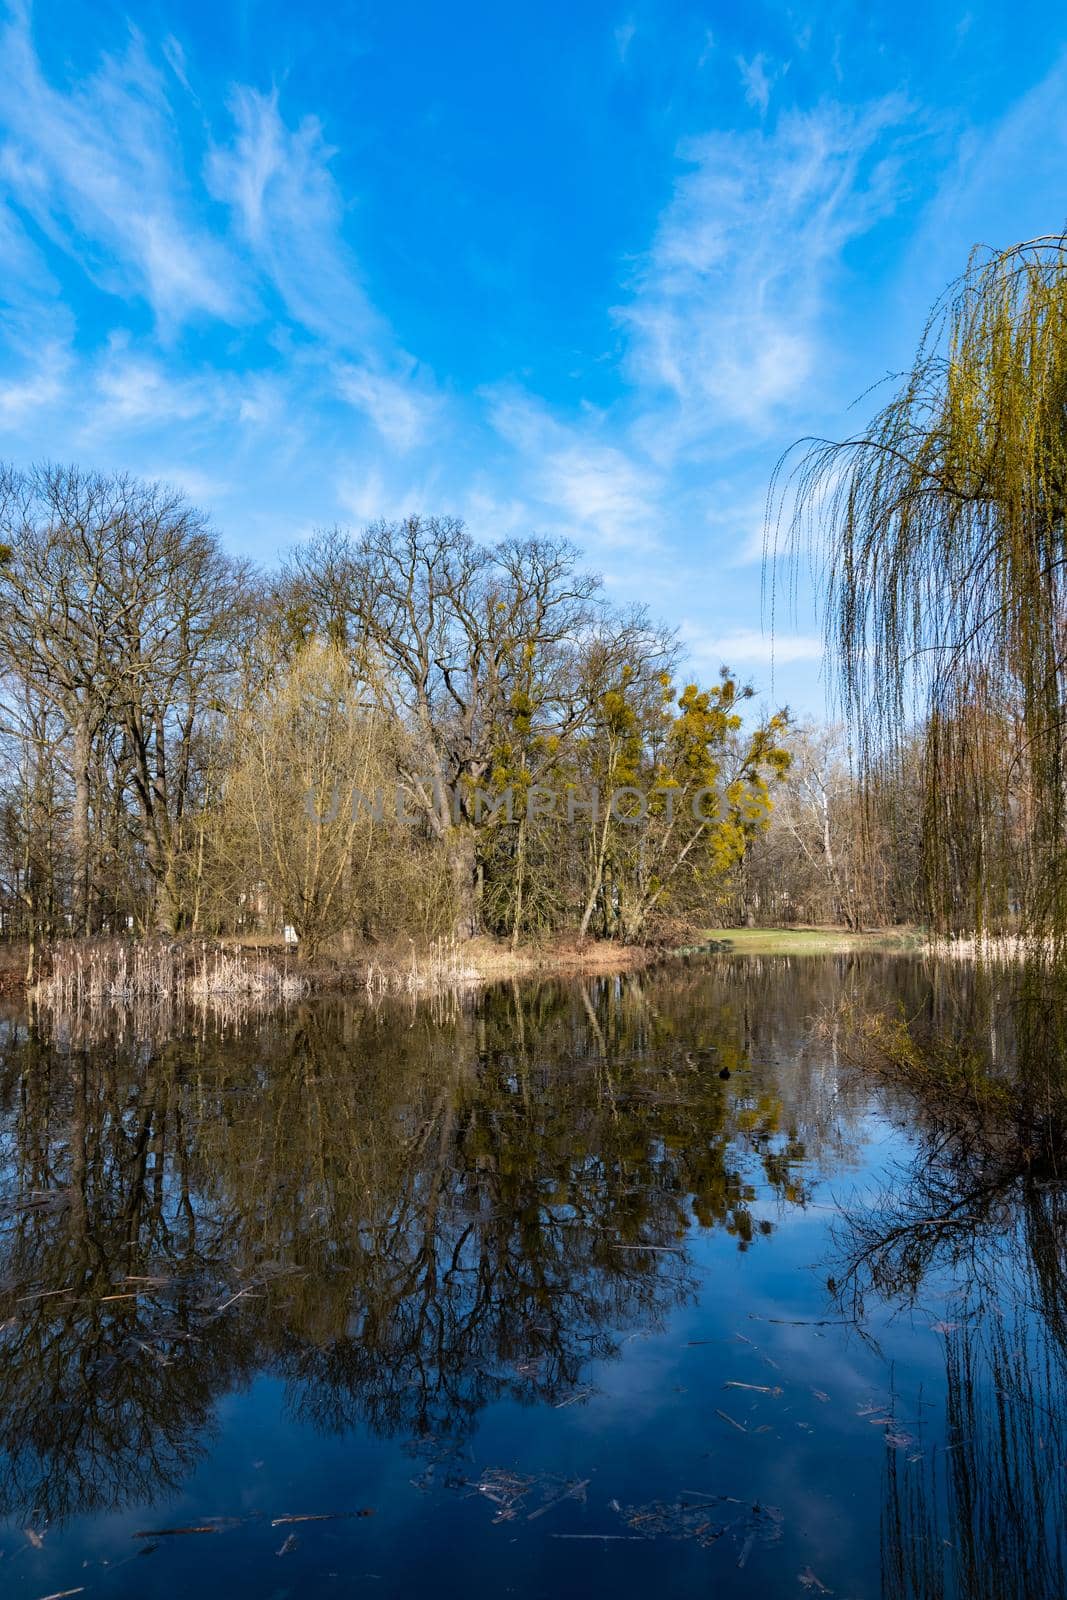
(402, 732)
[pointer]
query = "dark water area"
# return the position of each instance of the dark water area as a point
(622, 1287)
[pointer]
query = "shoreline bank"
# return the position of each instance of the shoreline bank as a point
(114, 968)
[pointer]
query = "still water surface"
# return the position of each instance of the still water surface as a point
(626, 1287)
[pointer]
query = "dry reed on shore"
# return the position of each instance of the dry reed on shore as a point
(118, 972)
(446, 967)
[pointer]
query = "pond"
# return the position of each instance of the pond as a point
(623, 1286)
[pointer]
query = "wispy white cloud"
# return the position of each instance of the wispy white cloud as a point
(725, 319)
(38, 328)
(43, 385)
(289, 212)
(200, 486)
(757, 81)
(604, 491)
(590, 487)
(748, 647)
(134, 390)
(492, 513)
(736, 522)
(28, 290)
(402, 413)
(980, 198)
(138, 402)
(624, 37)
(364, 496)
(174, 55)
(97, 165)
(374, 491)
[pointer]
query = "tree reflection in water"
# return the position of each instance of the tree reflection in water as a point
(405, 1214)
(982, 1516)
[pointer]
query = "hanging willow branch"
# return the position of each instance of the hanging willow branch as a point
(941, 540)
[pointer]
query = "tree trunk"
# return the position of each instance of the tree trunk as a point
(464, 868)
(597, 881)
(80, 824)
(520, 878)
(167, 907)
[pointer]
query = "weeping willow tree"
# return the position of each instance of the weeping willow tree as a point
(942, 537)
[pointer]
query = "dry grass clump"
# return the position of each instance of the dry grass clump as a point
(447, 965)
(996, 949)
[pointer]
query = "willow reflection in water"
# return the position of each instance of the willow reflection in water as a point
(407, 1219)
(985, 1514)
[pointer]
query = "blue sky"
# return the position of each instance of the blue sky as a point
(582, 269)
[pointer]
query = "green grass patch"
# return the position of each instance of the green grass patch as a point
(814, 941)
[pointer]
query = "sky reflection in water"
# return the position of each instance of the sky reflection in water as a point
(532, 1294)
